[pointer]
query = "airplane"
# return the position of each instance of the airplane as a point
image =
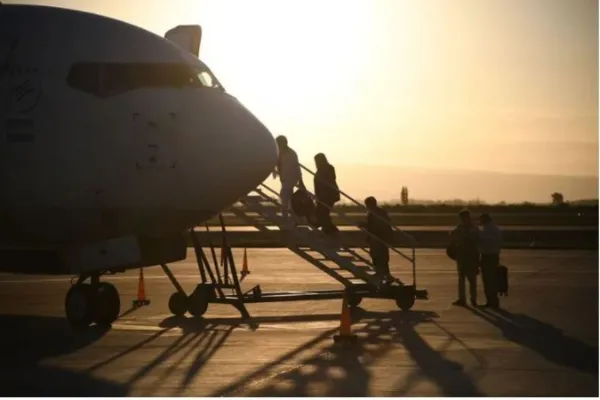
(115, 141)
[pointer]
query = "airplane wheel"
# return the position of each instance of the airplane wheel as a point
(405, 299)
(79, 305)
(178, 304)
(354, 300)
(107, 304)
(198, 303)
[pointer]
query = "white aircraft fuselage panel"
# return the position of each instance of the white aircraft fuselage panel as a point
(108, 130)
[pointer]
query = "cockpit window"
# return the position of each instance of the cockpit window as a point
(111, 79)
(206, 79)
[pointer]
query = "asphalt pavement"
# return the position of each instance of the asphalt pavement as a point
(542, 342)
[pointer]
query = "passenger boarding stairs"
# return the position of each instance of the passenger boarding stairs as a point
(350, 267)
(261, 209)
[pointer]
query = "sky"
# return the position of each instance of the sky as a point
(497, 85)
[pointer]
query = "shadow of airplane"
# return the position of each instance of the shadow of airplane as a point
(28, 340)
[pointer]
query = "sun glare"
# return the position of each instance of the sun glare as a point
(294, 55)
(301, 61)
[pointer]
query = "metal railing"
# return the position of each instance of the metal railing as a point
(278, 204)
(411, 240)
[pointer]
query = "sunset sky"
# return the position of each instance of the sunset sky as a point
(495, 85)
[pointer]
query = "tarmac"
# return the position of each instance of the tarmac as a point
(542, 342)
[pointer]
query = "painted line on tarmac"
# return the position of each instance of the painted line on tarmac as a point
(167, 332)
(435, 340)
(178, 331)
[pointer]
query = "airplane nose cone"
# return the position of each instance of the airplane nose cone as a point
(246, 154)
(254, 151)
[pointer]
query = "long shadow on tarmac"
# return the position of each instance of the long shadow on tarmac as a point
(544, 339)
(28, 340)
(334, 371)
(200, 340)
(318, 366)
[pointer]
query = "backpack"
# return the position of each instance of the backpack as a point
(302, 204)
(336, 194)
(451, 252)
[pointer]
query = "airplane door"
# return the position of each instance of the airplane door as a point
(156, 136)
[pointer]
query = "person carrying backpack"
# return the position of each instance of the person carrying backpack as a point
(326, 192)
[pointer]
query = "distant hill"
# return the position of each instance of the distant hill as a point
(385, 182)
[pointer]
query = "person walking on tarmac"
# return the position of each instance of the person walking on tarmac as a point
(464, 242)
(290, 175)
(327, 193)
(490, 244)
(379, 225)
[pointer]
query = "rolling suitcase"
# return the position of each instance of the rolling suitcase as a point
(502, 280)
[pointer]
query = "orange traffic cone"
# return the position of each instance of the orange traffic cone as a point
(141, 294)
(245, 270)
(346, 335)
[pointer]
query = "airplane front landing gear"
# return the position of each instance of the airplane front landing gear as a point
(107, 304)
(97, 302)
(79, 305)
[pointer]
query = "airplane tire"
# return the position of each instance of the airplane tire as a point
(198, 304)
(178, 304)
(107, 304)
(405, 299)
(79, 305)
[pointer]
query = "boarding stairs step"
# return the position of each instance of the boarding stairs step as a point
(315, 243)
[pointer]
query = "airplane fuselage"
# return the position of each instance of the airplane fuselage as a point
(109, 131)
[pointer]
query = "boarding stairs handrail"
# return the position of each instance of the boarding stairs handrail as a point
(342, 246)
(359, 272)
(410, 238)
(412, 259)
(356, 202)
(366, 232)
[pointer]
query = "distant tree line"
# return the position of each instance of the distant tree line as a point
(557, 199)
(557, 204)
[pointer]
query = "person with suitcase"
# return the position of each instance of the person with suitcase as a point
(490, 245)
